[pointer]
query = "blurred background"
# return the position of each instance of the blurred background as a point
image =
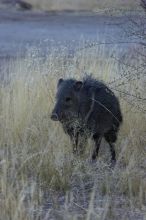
(64, 23)
(48, 5)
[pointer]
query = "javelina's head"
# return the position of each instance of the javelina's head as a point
(67, 100)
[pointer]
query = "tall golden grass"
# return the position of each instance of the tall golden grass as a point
(40, 178)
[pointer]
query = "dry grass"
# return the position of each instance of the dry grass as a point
(40, 177)
(49, 5)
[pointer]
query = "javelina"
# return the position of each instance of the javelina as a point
(87, 108)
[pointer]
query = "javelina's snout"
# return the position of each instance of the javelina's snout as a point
(54, 117)
(57, 112)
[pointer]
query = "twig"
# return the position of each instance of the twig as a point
(126, 93)
(106, 109)
(80, 206)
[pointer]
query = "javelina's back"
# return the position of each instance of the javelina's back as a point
(104, 112)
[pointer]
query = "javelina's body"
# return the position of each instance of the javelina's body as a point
(87, 108)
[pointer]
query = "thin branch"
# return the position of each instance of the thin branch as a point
(106, 109)
(134, 106)
(143, 4)
(128, 94)
(90, 45)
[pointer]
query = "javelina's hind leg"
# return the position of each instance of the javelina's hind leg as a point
(97, 138)
(113, 153)
(111, 137)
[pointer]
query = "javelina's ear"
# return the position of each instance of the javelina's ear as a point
(78, 85)
(59, 82)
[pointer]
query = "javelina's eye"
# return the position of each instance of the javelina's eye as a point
(68, 99)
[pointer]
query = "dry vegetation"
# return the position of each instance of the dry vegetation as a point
(40, 177)
(49, 5)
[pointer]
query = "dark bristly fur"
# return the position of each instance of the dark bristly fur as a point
(88, 108)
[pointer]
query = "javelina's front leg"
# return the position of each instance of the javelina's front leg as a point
(75, 138)
(97, 138)
(79, 142)
(75, 142)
